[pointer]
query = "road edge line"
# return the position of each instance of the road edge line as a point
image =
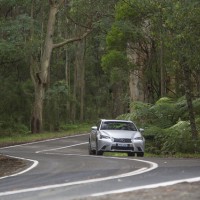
(35, 163)
(152, 186)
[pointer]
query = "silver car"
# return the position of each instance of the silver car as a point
(116, 136)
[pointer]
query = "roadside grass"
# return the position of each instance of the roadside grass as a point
(151, 155)
(68, 130)
(176, 155)
(75, 129)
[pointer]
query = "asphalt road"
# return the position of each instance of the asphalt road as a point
(62, 169)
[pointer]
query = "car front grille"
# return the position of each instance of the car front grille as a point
(122, 148)
(122, 140)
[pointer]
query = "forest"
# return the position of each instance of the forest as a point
(76, 61)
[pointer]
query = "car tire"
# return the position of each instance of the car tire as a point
(141, 154)
(131, 154)
(98, 153)
(90, 151)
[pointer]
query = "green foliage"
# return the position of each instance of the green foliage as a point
(140, 114)
(114, 59)
(177, 138)
(12, 128)
(74, 126)
(166, 125)
(15, 106)
(196, 104)
(56, 100)
(163, 113)
(115, 63)
(116, 38)
(23, 137)
(133, 23)
(155, 137)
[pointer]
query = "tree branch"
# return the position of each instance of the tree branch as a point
(77, 23)
(67, 41)
(56, 3)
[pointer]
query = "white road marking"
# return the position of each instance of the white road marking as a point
(73, 145)
(152, 164)
(142, 170)
(35, 163)
(164, 184)
(136, 172)
(18, 145)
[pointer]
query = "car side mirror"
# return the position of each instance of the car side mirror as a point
(141, 130)
(94, 128)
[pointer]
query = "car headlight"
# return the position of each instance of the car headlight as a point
(138, 138)
(104, 137)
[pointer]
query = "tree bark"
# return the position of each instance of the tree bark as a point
(188, 94)
(162, 71)
(82, 78)
(40, 78)
(79, 83)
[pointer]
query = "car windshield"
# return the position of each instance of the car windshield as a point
(111, 125)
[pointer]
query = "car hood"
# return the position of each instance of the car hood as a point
(121, 133)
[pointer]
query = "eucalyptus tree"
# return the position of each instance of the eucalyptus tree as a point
(40, 76)
(160, 39)
(88, 89)
(131, 37)
(79, 18)
(184, 43)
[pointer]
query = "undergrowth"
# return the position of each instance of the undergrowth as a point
(166, 125)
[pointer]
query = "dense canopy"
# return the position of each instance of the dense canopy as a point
(71, 61)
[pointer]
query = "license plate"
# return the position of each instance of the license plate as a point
(122, 145)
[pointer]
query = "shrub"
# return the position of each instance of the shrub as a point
(10, 128)
(154, 137)
(166, 125)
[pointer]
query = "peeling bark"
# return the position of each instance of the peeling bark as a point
(40, 78)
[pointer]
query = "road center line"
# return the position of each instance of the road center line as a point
(139, 171)
(136, 172)
(42, 141)
(73, 145)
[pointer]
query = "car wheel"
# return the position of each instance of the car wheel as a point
(90, 151)
(131, 154)
(141, 154)
(99, 153)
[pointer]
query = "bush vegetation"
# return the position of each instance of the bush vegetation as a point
(167, 129)
(23, 135)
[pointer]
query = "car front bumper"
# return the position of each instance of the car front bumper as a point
(107, 145)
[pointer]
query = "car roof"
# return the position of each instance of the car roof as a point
(115, 120)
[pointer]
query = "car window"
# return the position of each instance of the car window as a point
(98, 124)
(118, 126)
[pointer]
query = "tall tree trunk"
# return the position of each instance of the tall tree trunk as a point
(82, 78)
(67, 80)
(79, 82)
(40, 78)
(74, 107)
(162, 66)
(162, 71)
(188, 94)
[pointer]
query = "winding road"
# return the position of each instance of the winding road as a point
(62, 169)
